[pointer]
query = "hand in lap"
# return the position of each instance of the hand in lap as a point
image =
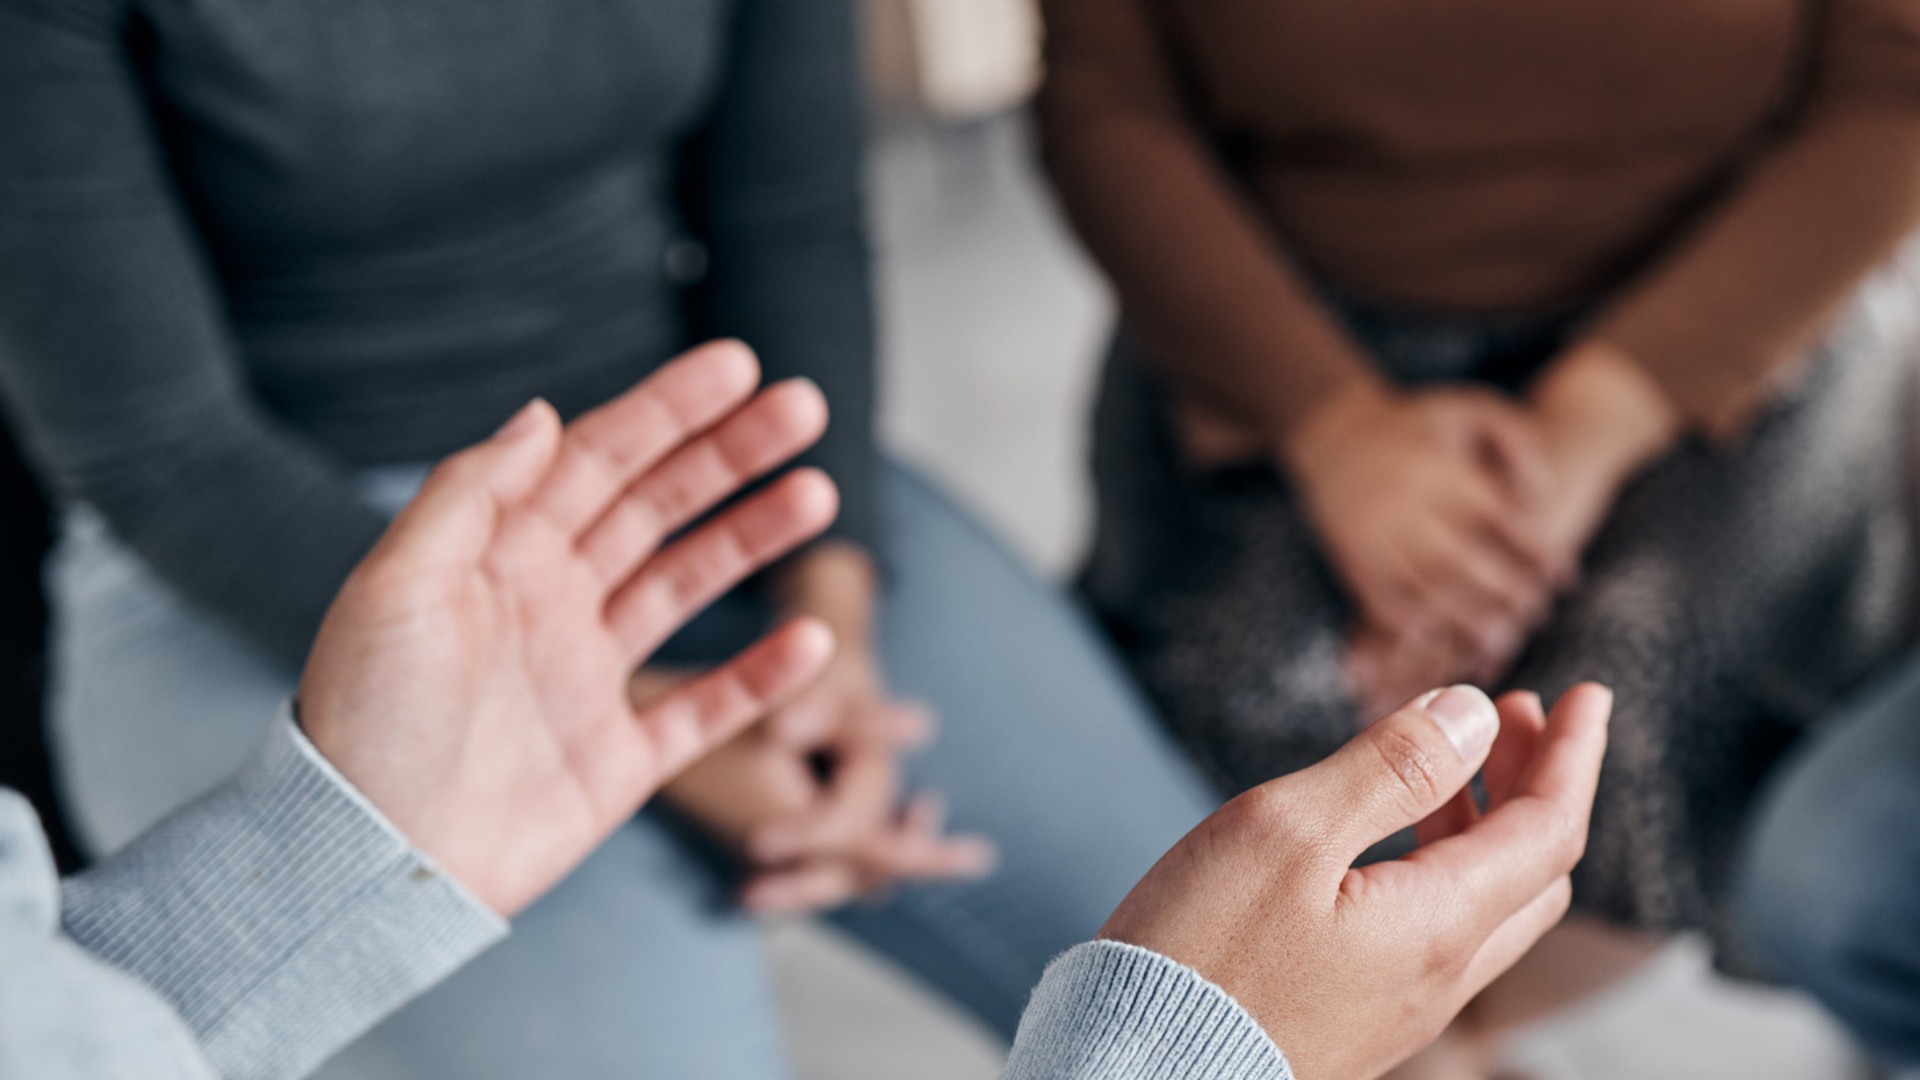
(472, 677)
(1422, 502)
(1351, 970)
(809, 800)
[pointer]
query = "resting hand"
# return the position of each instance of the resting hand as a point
(471, 679)
(1353, 969)
(1420, 502)
(816, 825)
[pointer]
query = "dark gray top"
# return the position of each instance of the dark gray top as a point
(248, 246)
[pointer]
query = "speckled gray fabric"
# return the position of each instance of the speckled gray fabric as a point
(1731, 598)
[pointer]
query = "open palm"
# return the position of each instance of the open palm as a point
(471, 679)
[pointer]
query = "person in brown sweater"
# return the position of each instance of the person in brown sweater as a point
(1503, 341)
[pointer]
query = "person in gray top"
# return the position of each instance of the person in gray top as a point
(260, 263)
(464, 736)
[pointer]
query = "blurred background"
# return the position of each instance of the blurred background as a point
(992, 322)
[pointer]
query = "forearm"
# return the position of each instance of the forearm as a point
(1603, 414)
(281, 915)
(1203, 282)
(1111, 1011)
(1738, 303)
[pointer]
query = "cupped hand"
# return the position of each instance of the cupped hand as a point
(1421, 501)
(1351, 970)
(471, 678)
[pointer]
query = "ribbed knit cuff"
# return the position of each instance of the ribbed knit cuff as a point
(1114, 1011)
(281, 915)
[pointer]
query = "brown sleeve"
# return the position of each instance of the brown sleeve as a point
(1751, 289)
(1202, 282)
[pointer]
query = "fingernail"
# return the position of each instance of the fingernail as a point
(1467, 716)
(522, 423)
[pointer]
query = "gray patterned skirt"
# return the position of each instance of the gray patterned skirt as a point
(1729, 600)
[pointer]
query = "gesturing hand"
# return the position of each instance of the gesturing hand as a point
(471, 678)
(1352, 970)
(1420, 501)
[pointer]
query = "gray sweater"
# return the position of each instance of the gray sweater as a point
(254, 933)
(245, 248)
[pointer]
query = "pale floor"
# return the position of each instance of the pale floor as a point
(992, 326)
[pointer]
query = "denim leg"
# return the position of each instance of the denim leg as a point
(1044, 745)
(637, 966)
(1829, 888)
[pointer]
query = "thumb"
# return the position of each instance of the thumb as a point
(455, 513)
(1401, 769)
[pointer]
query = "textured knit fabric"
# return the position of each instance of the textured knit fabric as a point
(1729, 599)
(278, 918)
(643, 953)
(1721, 174)
(1111, 1011)
(255, 932)
(244, 247)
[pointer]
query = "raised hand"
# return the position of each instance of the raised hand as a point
(472, 678)
(1350, 969)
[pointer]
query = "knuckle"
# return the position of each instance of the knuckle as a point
(1273, 814)
(1443, 959)
(1411, 761)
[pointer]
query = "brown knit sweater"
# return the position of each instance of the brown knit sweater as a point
(1717, 175)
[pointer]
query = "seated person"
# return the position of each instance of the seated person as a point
(464, 735)
(1511, 343)
(261, 264)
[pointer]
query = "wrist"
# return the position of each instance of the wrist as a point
(1604, 416)
(1329, 423)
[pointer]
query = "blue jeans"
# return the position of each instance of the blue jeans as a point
(1829, 889)
(638, 964)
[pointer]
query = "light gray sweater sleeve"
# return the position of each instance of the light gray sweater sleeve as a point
(1106, 1010)
(276, 919)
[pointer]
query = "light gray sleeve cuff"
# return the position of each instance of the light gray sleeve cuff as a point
(1114, 1011)
(281, 915)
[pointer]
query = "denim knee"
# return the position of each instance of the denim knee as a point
(1828, 896)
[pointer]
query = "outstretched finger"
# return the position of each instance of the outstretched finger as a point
(696, 569)
(1523, 724)
(458, 510)
(687, 722)
(1520, 847)
(1517, 936)
(607, 449)
(778, 423)
(1401, 769)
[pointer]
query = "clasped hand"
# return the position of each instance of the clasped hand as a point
(1454, 514)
